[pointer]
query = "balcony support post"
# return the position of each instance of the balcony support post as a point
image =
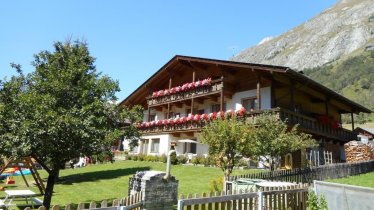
(258, 92)
(272, 94)
(168, 114)
(292, 100)
(149, 114)
(192, 101)
(222, 95)
(353, 121)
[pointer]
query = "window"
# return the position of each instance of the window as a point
(189, 148)
(152, 117)
(188, 111)
(217, 107)
(249, 103)
(155, 145)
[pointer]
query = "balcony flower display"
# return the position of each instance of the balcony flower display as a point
(185, 87)
(184, 120)
(166, 122)
(229, 113)
(190, 117)
(177, 120)
(204, 117)
(241, 112)
(196, 118)
(171, 121)
(221, 115)
(213, 116)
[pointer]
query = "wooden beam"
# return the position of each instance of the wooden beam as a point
(170, 82)
(292, 93)
(258, 91)
(222, 95)
(273, 100)
(192, 97)
(353, 121)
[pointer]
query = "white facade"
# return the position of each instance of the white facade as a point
(163, 141)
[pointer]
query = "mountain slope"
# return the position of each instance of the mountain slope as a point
(333, 34)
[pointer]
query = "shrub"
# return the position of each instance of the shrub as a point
(135, 157)
(209, 161)
(216, 185)
(182, 159)
(197, 160)
(315, 203)
(162, 158)
(243, 162)
(173, 158)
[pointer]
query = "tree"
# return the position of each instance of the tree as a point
(226, 138)
(60, 111)
(131, 116)
(271, 138)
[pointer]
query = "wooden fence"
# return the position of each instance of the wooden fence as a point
(280, 198)
(307, 175)
(133, 202)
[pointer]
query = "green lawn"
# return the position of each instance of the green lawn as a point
(110, 181)
(364, 180)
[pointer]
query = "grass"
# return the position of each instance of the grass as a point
(110, 181)
(366, 125)
(363, 180)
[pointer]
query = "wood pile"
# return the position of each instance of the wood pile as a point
(357, 151)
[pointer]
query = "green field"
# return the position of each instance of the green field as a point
(110, 181)
(364, 180)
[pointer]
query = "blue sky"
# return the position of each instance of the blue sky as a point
(133, 39)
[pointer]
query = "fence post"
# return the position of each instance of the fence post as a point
(180, 204)
(260, 201)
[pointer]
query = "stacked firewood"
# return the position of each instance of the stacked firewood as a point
(357, 151)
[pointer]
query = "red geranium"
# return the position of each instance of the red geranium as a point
(241, 112)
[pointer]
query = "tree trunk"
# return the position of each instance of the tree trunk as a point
(50, 185)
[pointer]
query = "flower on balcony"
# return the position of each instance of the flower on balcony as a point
(206, 82)
(160, 93)
(184, 120)
(152, 123)
(155, 94)
(190, 117)
(241, 112)
(221, 115)
(177, 120)
(165, 122)
(178, 89)
(166, 92)
(146, 124)
(196, 117)
(171, 121)
(213, 116)
(204, 117)
(199, 83)
(229, 113)
(191, 85)
(158, 122)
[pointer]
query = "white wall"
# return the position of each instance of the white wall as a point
(236, 102)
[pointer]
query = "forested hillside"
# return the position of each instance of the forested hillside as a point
(352, 77)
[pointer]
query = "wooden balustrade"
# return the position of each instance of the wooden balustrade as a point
(306, 124)
(214, 88)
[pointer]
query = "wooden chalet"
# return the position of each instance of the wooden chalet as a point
(187, 90)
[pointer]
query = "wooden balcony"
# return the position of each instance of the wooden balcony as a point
(214, 88)
(306, 124)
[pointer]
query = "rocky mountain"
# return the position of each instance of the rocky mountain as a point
(334, 34)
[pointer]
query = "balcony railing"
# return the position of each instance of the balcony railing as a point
(306, 124)
(215, 87)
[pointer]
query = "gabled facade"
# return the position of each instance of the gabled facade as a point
(186, 91)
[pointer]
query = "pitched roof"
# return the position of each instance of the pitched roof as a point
(250, 66)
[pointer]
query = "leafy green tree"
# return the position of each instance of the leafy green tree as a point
(226, 139)
(131, 116)
(60, 111)
(271, 138)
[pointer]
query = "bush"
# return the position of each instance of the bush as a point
(216, 185)
(173, 158)
(141, 157)
(209, 161)
(243, 162)
(315, 203)
(162, 158)
(182, 159)
(197, 160)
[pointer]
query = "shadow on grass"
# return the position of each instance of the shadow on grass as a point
(99, 175)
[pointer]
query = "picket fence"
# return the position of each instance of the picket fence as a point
(307, 175)
(133, 202)
(280, 198)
